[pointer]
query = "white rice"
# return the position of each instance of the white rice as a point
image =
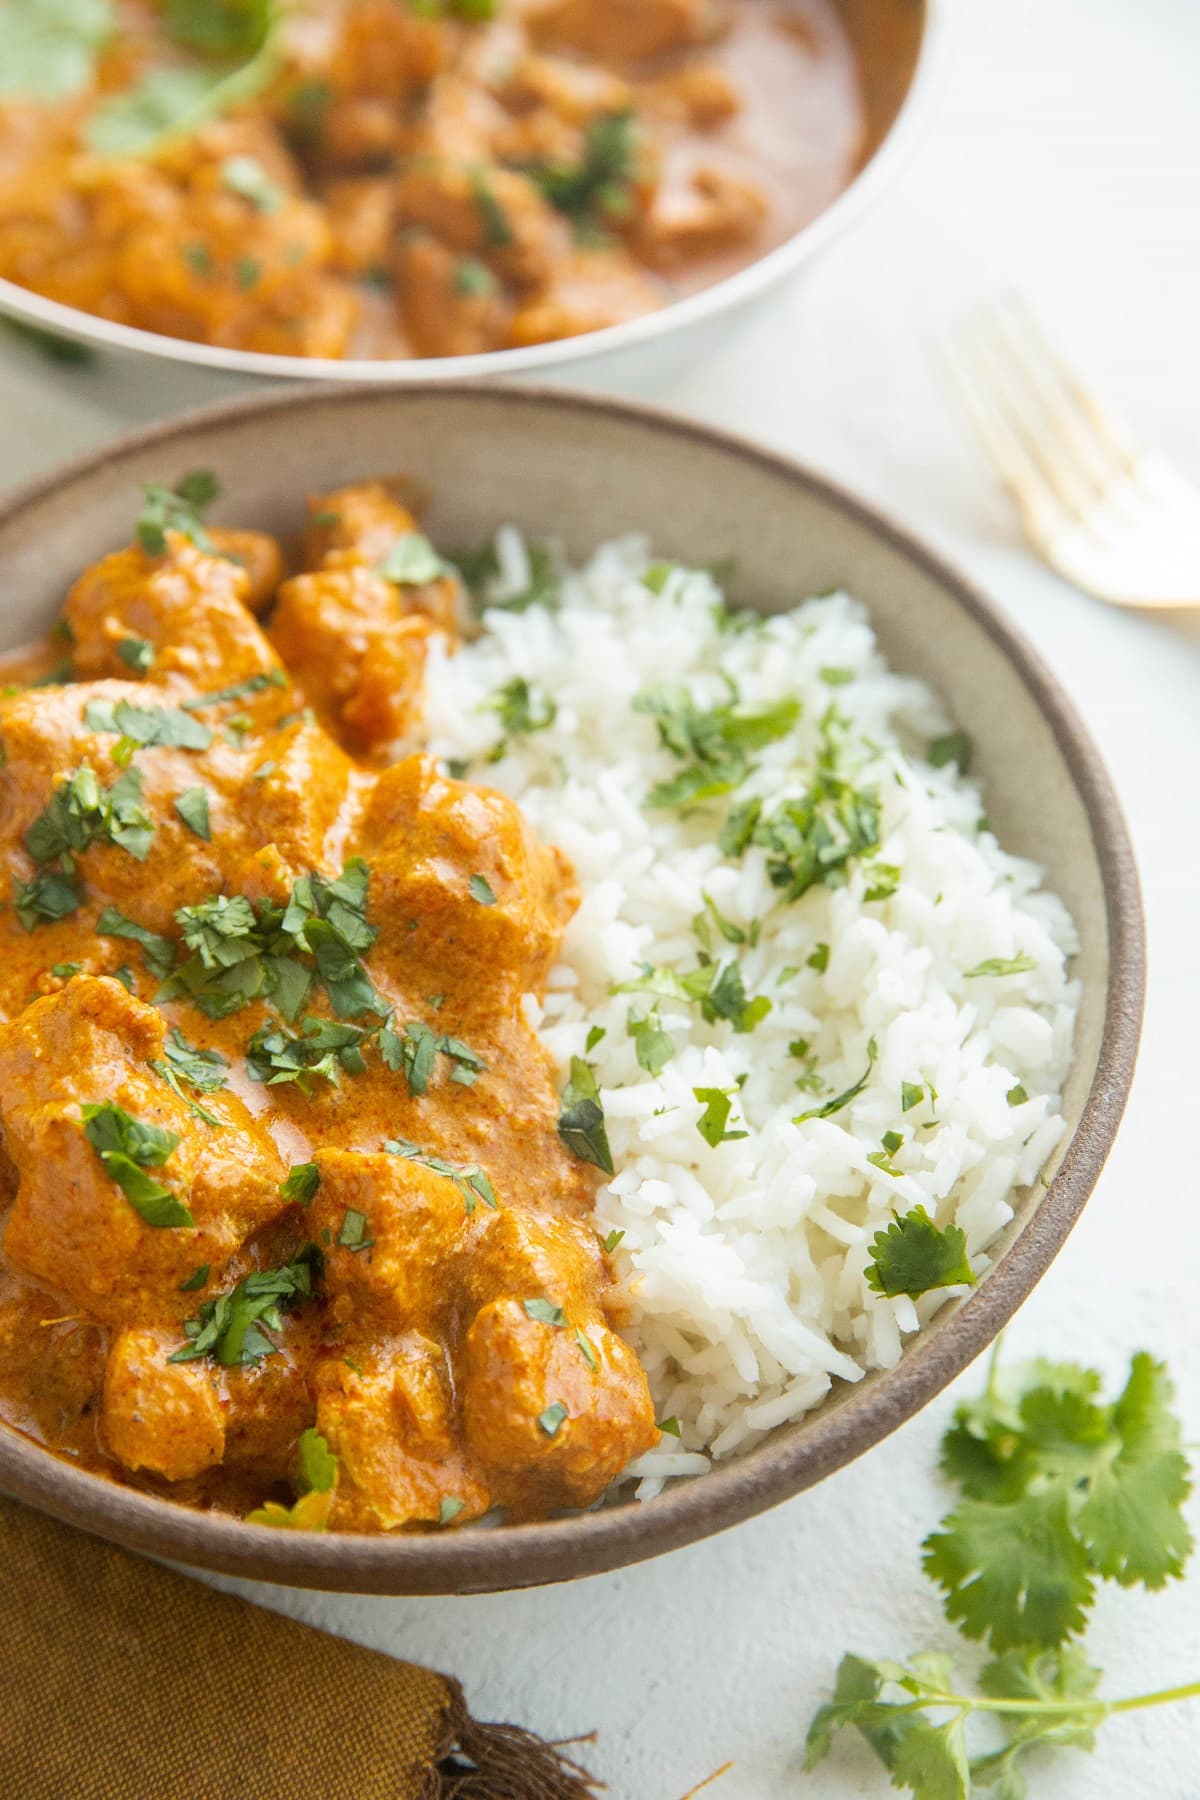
(743, 1264)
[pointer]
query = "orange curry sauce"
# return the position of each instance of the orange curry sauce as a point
(268, 1094)
(433, 179)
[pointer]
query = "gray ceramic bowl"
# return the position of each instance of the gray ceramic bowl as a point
(898, 44)
(585, 470)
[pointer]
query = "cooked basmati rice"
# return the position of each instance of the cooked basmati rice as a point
(743, 1261)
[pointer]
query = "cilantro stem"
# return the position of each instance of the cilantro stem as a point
(993, 1369)
(1099, 1710)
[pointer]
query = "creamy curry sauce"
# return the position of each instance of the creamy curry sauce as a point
(432, 180)
(282, 1175)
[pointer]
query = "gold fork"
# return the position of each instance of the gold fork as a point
(1117, 520)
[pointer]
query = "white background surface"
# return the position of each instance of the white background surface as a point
(1064, 158)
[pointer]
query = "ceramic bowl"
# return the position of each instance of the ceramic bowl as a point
(898, 44)
(584, 470)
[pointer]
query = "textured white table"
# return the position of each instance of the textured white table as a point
(1064, 158)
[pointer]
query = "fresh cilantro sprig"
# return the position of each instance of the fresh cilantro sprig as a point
(177, 509)
(1060, 1490)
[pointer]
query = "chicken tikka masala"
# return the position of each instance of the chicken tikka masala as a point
(294, 1222)
(410, 178)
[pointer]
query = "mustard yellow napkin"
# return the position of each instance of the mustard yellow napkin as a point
(120, 1680)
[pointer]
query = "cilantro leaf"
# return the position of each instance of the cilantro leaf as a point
(301, 1183)
(652, 1045)
(473, 1183)
(316, 1478)
(581, 1118)
(192, 807)
(147, 725)
(159, 951)
(713, 1123)
(835, 1105)
(1131, 1520)
(1013, 1573)
(48, 47)
(914, 1255)
(46, 899)
(128, 1147)
(713, 743)
(1020, 964)
(412, 561)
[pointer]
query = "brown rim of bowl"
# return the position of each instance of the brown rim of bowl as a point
(589, 1543)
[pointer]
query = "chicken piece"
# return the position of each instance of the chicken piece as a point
(53, 1360)
(267, 1406)
(301, 792)
(355, 639)
(262, 558)
(354, 527)
(358, 135)
(414, 1220)
(574, 92)
(356, 649)
(491, 213)
(390, 1422)
(461, 861)
(714, 211)
(625, 31)
(590, 290)
(702, 95)
(458, 123)
(385, 51)
(552, 1412)
(190, 608)
(160, 1416)
(362, 214)
(453, 305)
(71, 1225)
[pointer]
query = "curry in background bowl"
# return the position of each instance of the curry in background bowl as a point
(382, 180)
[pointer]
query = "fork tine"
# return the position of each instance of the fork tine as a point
(1110, 431)
(1017, 398)
(1019, 471)
(1098, 447)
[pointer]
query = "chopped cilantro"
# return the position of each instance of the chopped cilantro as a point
(472, 1182)
(128, 1147)
(587, 1350)
(412, 561)
(353, 1234)
(480, 888)
(713, 743)
(714, 1120)
(144, 726)
(1016, 1095)
(45, 899)
(843, 1099)
(177, 509)
(545, 1312)
(80, 812)
(1020, 964)
(137, 654)
(449, 1509)
(246, 177)
(253, 684)
(955, 747)
(670, 1426)
(581, 1118)
(232, 1328)
(195, 1281)
(910, 1095)
(159, 951)
(818, 959)
(301, 1183)
(192, 807)
(554, 1416)
(612, 1240)
(595, 1034)
(652, 1046)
